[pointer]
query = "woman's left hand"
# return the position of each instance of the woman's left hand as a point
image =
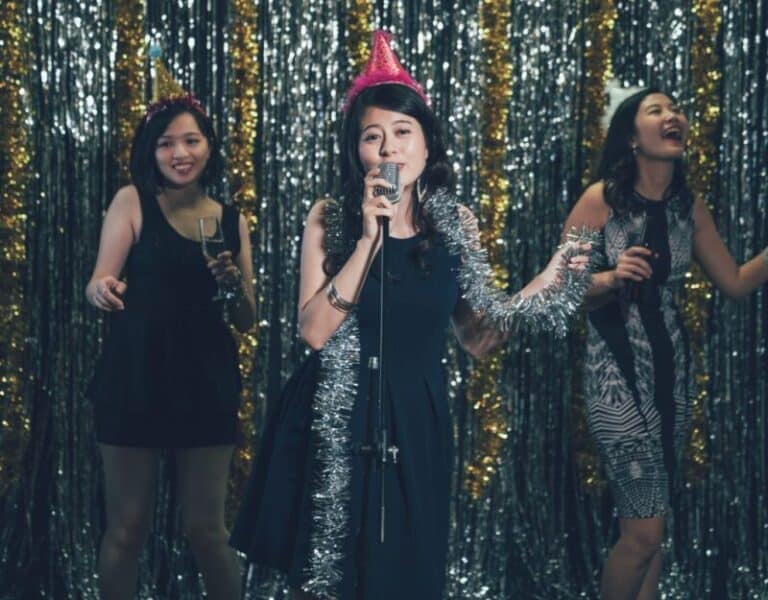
(225, 271)
(580, 260)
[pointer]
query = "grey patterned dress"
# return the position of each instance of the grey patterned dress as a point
(639, 377)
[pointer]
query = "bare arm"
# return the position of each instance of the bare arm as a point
(716, 261)
(242, 308)
(119, 232)
(474, 333)
(592, 211)
(318, 318)
(480, 332)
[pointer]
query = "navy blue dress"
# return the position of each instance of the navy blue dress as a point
(275, 520)
(168, 375)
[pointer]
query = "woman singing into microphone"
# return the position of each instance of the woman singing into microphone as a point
(313, 507)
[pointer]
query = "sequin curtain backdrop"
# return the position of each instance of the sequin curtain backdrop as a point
(535, 533)
(737, 406)
(14, 178)
(50, 528)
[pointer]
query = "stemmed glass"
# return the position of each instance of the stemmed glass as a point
(212, 243)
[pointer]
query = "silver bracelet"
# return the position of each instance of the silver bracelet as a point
(337, 301)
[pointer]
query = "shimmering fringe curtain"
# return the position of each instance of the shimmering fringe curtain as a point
(14, 179)
(534, 531)
(243, 131)
(482, 390)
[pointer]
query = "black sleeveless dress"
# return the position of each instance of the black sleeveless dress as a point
(275, 520)
(168, 374)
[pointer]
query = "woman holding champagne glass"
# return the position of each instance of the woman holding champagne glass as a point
(168, 375)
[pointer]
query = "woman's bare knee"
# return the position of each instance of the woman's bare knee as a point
(643, 537)
(205, 535)
(127, 537)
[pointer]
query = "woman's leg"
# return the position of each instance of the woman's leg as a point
(650, 588)
(632, 561)
(129, 491)
(203, 474)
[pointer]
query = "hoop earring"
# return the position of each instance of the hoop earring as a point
(635, 150)
(421, 190)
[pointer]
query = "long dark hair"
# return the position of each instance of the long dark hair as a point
(145, 174)
(618, 168)
(437, 172)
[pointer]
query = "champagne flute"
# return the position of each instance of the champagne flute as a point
(212, 243)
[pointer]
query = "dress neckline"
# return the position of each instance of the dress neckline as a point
(649, 202)
(170, 226)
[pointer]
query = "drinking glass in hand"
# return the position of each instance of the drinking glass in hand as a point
(644, 292)
(212, 243)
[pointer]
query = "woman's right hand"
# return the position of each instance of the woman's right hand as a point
(374, 206)
(106, 293)
(632, 264)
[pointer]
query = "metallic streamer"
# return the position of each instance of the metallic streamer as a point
(332, 408)
(482, 391)
(244, 122)
(244, 117)
(358, 32)
(705, 79)
(15, 159)
(598, 70)
(732, 506)
(550, 309)
(303, 70)
(129, 77)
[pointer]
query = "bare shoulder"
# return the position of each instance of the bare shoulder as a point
(126, 207)
(591, 208)
(126, 198)
(316, 216)
(594, 197)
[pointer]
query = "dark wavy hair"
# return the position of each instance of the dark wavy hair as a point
(437, 172)
(145, 174)
(617, 167)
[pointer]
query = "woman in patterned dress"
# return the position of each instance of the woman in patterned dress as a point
(639, 382)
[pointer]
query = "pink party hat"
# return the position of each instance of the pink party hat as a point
(382, 67)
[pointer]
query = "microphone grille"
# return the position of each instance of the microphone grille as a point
(390, 172)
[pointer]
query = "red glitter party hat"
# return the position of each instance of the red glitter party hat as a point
(383, 67)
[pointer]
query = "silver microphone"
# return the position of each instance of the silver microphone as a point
(390, 172)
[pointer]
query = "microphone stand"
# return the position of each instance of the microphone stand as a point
(379, 449)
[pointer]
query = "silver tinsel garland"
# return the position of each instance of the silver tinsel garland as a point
(332, 408)
(550, 309)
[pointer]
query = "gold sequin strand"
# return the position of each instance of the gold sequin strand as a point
(598, 70)
(482, 390)
(129, 78)
(359, 24)
(15, 161)
(702, 154)
(243, 130)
